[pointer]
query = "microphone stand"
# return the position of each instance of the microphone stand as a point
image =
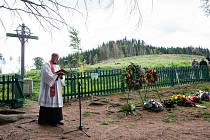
(80, 128)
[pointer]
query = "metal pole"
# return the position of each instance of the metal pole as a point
(22, 49)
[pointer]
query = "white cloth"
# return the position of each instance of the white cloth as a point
(47, 80)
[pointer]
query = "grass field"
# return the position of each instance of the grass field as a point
(164, 60)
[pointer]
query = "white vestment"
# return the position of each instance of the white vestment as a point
(47, 80)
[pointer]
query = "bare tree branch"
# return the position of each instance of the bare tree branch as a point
(50, 13)
(206, 7)
(33, 13)
(46, 12)
(36, 16)
(2, 23)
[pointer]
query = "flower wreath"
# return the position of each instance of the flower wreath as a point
(136, 77)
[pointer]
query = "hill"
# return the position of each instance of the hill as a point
(164, 60)
(127, 48)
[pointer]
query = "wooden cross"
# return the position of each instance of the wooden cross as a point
(23, 33)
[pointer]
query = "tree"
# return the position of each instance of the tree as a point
(54, 13)
(75, 42)
(206, 7)
(74, 39)
(38, 61)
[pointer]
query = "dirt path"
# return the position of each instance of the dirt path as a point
(105, 122)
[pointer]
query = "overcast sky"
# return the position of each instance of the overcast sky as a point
(178, 23)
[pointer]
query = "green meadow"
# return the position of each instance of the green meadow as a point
(164, 60)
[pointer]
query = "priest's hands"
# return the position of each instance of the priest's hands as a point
(60, 73)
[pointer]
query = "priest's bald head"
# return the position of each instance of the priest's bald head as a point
(54, 58)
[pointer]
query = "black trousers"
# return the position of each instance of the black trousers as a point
(49, 115)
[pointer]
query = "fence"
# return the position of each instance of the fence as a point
(105, 82)
(11, 90)
(181, 75)
(100, 82)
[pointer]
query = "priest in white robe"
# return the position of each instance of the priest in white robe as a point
(50, 98)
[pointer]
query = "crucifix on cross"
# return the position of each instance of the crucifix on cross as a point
(23, 33)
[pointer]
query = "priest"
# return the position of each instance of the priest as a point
(50, 97)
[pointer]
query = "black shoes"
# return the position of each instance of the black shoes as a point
(60, 123)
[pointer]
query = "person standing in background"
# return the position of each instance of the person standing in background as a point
(208, 59)
(195, 63)
(203, 62)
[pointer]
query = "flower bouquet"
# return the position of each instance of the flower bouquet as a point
(137, 77)
(182, 100)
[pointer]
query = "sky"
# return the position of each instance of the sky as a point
(178, 23)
